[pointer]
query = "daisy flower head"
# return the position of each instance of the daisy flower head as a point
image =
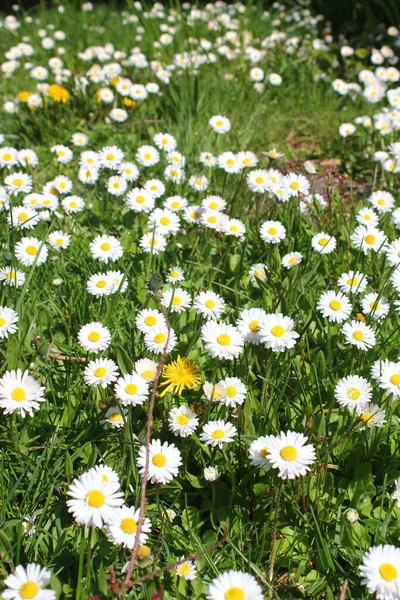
(213, 219)
(258, 181)
(101, 371)
(110, 157)
(155, 187)
(59, 240)
(63, 153)
(160, 338)
(100, 284)
(258, 452)
(213, 202)
(182, 421)
(164, 141)
(140, 200)
(346, 129)
(352, 282)
(207, 159)
(123, 524)
(274, 79)
(105, 248)
(175, 203)
(28, 582)
(368, 238)
(165, 222)
(31, 251)
(129, 171)
(192, 214)
(114, 416)
(153, 242)
(383, 201)
(235, 391)
(117, 185)
(93, 499)
(176, 299)
(23, 217)
(247, 159)
(148, 318)
(334, 306)
(164, 462)
(234, 585)
(257, 272)
(367, 217)
(389, 378)
(392, 252)
(175, 274)
(146, 368)
(249, 324)
(62, 184)
(291, 259)
(296, 184)
(220, 124)
(94, 337)
(218, 433)
(20, 392)
(132, 389)
(272, 232)
(179, 375)
(79, 139)
(72, 204)
(187, 570)
(371, 416)
(290, 453)
(359, 334)
(380, 571)
(214, 391)
(353, 392)
(147, 156)
(8, 321)
(323, 243)
(29, 526)
(375, 305)
(209, 304)
(11, 276)
(18, 182)
(234, 227)
(198, 183)
(221, 340)
(229, 162)
(276, 332)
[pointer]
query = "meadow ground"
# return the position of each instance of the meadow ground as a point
(199, 305)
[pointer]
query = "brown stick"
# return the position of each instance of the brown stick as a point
(149, 426)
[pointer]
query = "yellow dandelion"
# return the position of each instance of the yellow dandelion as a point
(58, 93)
(179, 375)
(24, 96)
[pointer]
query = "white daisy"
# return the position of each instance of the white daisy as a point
(276, 332)
(209, 304)
(258, 452)
(187, 570)
(249, 324)
(94, 337)
(132, 389)
(182, 421)
(353, 392)
(8, 320)
(380, 571)
(335, 306)
(221, 340)
(105, 248)
(352, 282)
(176, 300)
(375, 305)
(31, 251)
(323, 243)
(148, 318)
(218, 433)
(123, 524)
(359, 334)
(235, 391)
(28, 582)
(19, 392)
(164, 462)
(234, 585)
(156, 339)
(371, 416)
(272, 232)
(101, 371)
(289, 453)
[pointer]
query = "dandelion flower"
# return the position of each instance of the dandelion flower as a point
(179, 375)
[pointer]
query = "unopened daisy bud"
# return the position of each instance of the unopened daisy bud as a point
(352, 515)
(360, 317)
(211, 473)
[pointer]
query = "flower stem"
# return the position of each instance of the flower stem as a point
(273, 544)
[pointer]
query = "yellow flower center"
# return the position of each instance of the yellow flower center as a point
(105, 246)
(210, 303)
(131, 388)
(117, 184)
(2, 321)
(374, 305)
(159, 338)
(294, 185)
(115, 417)
(233, 228)
(254, 325)
(395, 379)
(195, 215)
(370, 239)
(100, 372)
(184, 569)
(154, 188)
(101, 283)
(388, 572)
(159, 460)
(289, 453)
(59, 241)
(278, 331)
(18, 394)
(358, 335)
(31, 250)
(213, 205)
(18, 181)
(230, 161)
(212, 219)
(264, 452)
(95, 498)
(128, 525)
(323, 241)
(219, 123)
(29, 589)
(183, 419)
(352, 281)
(366, 416)
(148, 374)
(7, 156)
(174, 274)
(259, 179)
(231, 391)
(292, 260)
(218, 434)
(335, 305)
(177, 301)
(246, 162)
(94, 336)
(353, 393)
(147, 156)
(150, 320)
(23, 216)
(381, 202)
(110, 156)
(175, 204)
(234, 593)
(223, 339)
(140, 199)
(73, 204)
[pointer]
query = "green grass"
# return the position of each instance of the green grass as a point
(314, 548)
